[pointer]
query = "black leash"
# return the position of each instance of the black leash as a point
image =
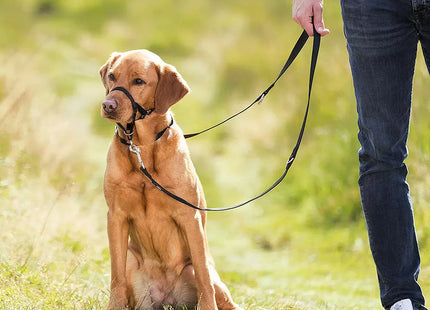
(297, 48)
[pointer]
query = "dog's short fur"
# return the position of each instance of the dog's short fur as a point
(158, 246)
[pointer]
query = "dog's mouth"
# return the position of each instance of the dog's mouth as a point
(117, 116)
(109, 115)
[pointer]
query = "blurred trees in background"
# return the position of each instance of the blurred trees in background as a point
(51, 131)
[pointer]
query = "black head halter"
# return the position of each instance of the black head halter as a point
(128, 131)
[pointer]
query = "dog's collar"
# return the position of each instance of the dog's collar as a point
(129, 135)
(161, 133)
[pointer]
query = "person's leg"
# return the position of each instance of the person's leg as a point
(422, 18)
(382, 44)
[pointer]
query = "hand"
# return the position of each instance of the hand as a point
(304, 11)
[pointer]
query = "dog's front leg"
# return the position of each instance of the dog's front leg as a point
(118, 230)
(198, 246)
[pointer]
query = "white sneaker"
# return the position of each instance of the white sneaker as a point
(404, 304)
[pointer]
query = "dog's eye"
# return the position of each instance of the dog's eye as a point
(138, 82)
(111, 77)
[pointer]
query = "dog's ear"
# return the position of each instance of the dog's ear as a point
(104, 69)
(170, 89)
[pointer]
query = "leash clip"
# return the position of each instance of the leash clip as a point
(135, 150)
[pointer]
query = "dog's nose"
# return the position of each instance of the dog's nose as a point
(109, 105)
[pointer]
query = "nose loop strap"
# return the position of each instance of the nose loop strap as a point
(129, 130)
(125, 91)
(136, 107)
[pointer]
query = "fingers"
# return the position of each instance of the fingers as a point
(302, 15)
(304, 11)
(318, 19)
(306, 24)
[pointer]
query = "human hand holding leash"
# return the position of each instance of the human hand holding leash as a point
(306, 10)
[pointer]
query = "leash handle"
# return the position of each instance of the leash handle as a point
(315, 50)
(314, 58)
(294, 52)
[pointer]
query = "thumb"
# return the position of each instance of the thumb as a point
(318, 20)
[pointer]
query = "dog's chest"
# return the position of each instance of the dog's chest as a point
(159, 237)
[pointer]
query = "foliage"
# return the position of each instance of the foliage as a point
(303, 246)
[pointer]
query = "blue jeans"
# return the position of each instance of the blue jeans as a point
(382, 38)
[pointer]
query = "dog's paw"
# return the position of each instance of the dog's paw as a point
(116, 304)
(231, 306)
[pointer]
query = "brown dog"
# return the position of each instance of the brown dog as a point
(158, 246)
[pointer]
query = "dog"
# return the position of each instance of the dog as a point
(158, 246)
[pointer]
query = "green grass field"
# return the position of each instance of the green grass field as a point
(302, 247)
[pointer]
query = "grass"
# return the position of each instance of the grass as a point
(302, 247)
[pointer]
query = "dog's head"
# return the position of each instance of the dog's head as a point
(152, 83)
